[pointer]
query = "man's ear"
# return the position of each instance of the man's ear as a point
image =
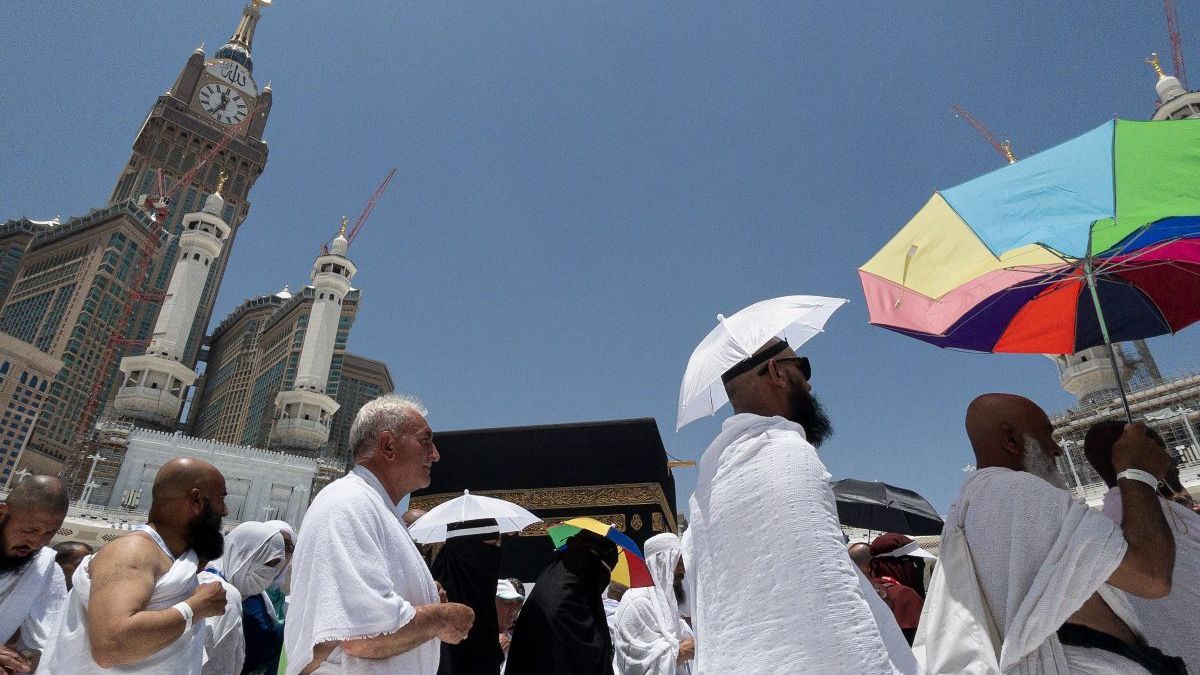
(195, 499)
(385, 445)
(3, 509)
(1011, 440)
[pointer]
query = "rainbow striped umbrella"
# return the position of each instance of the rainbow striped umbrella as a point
(631, 567)
(1091, 242)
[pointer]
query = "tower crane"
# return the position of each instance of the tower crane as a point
(158, 206)
(366, 213)
(1176, 43)
(1005, 148)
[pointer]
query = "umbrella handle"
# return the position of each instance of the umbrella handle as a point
(1089, 272)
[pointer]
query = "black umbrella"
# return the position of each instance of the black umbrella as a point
(884, 508)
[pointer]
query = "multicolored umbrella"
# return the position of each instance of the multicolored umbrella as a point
(631, 567)
(1091, 242)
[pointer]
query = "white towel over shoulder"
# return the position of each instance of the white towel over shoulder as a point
(1023, 551)
(32, 599)
(356, 573)
(773, 590)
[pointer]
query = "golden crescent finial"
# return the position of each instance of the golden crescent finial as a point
(1008, 153)
(345, 223)
(221, 178)
(1153, 61)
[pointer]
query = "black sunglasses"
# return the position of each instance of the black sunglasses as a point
(802, 361)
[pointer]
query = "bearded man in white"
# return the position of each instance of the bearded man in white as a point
(363, 600)
(32, 588)
(771, 585)
(1025, 580)
(651, 638)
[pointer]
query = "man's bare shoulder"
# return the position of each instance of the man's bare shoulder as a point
(132, 550)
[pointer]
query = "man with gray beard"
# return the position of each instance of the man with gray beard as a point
(1027, 574)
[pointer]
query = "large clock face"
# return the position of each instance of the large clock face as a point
(223, 103)
(234, 74)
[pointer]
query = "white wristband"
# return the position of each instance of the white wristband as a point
(186, 610)
(1140, 476)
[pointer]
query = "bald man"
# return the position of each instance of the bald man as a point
(763, 506)
(32, 587)
(1039, 567)
(137, 603)
(1167, 622)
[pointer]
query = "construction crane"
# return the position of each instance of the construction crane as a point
(1005, 148)
(1176, 43)
(158, 205)
(366, 213)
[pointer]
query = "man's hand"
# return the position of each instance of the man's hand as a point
(208, 600)
(504, 642)
(11, 661)
(687, 651)
(1135, 450)
(441, 592)
(456, 623)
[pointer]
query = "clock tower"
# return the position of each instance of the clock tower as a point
(210, 96)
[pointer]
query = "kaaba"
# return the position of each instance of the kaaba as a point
(614, 471)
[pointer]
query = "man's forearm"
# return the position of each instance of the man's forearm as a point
(1147, 532)
(421, 629)
(141, 635)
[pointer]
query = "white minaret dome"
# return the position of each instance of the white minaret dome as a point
(215, 203)
(340, 243)
(285, 293)
(1168, 87)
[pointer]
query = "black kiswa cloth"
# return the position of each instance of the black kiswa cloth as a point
(468, 568)
(562, 629)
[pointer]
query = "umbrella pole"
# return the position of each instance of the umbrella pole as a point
(1090, 274)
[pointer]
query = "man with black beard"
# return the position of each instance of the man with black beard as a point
(32, 587)
(137, 603)
(763, 511)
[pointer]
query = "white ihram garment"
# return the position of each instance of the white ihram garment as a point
(771, 587)
(32, 600)
(356, 573)
(1170, 623)
(648, 627)
(71, 648)
(224, 639)
(1018, 558)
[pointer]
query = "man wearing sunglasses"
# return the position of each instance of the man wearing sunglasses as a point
(764, 512)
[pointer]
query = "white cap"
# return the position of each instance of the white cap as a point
(506, 591)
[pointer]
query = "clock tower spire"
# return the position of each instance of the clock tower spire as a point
(209, 97)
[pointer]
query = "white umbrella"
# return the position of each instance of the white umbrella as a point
(431, 527)
(796, 318)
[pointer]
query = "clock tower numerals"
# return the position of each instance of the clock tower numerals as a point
(223, 103)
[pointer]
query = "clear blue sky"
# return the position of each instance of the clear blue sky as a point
(582, 187)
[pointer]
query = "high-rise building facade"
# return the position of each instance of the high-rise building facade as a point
(219, 408)
(15, 237)
(25, 377)
(253, 356)
(210, 97)
(66, 300)
(363, 379)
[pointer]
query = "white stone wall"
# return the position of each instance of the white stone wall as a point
(262, 485)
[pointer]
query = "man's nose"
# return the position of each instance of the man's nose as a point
(434, 455)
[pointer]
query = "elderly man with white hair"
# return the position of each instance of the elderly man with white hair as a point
(363, 600)
(651, 638)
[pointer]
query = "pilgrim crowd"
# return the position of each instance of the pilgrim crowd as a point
(1027, 580)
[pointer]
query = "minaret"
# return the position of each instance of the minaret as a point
(1174, 102)
(303, 415)
(155, 382)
